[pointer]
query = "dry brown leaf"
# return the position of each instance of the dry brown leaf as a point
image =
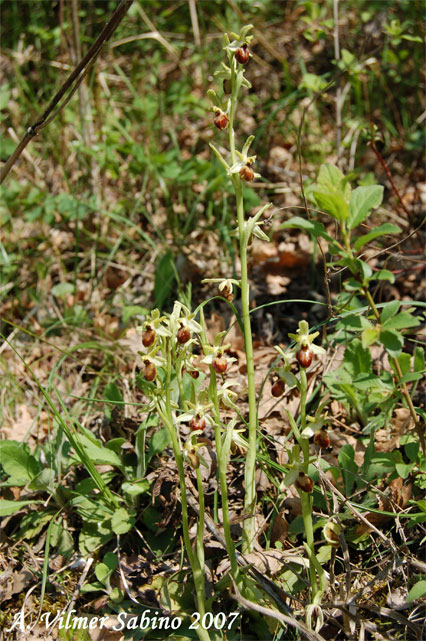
(398, 495)
(19, 428)
(388, 438)
(279, 530)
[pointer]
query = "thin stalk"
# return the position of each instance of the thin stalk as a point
(197, 569)
(250, 487)
(306, 501)
(306, 498)
(230, 547)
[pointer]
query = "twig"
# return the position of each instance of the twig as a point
(338, 99)
(383, 162)
(75, 78)
(358, 514)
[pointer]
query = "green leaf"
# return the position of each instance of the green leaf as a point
(357, 359)
(98, 454)
(136, 488)
(112, 393)
(412, 450)
(122, 521)
(44, 481)
(18, 463)
(403, 320)
(392, 341)
(158, 442)
(104, 570)
(404, 469)
(383, 274)
(317, 230)
(386, 228)
(410, 377)
(369, 336)
(348, 467)
(62, 289)
(333, 204)
(133, 310)
(355, 323)
(418, 591)
(419, 359)
(10, 507)
(165, 277)
(404, 361)
(389, 310)
(333, 180)
(363, 200)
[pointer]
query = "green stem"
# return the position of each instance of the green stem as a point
(306, 498)
(306, 501)
(194, 560)
(230, 547)
(250, 487)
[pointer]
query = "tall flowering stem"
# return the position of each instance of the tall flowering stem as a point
(239, 169)
(300, 456)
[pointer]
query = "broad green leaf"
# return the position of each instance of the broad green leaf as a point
(45, 480)
(112, 393)
(392, 341)
(333, 204)
(357, 359)
(122, 521)
(389, 310)
(158, 442)
(383, 274)
(18, 462)
(369, 336)
(97, 453)
(411, 377)
(10, 507)
(106, 568)
(386, 228)
(363, 200)
(403, 320)
(412, 450)
(315, 229)
(404, 361)
(333, 180)
(404, 469)
(133, 310)
(62, 289)
(354, 322)
(418, 591)
(136, 488)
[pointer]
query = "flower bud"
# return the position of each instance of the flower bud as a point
(277, 388)
(247, 173)
(197, 423)
(304, 483)
(220, 364)
(227, 86)
(304, 356)
(148, 337)
(221, 120)
(242, 54)
(322, 438)
(150, 371)
(183, 335)
(193, 459)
